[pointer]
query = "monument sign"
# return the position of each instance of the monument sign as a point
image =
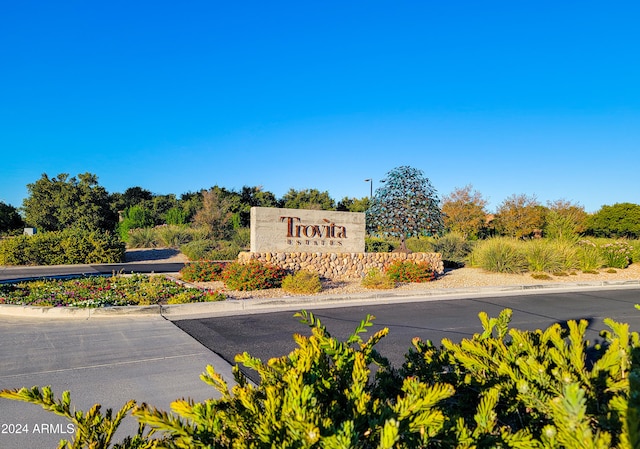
(302, 230)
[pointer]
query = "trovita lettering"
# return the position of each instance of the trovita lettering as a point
(321, 233)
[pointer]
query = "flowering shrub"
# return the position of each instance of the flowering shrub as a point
(408, 271)
(202, 271)
(96, 291)
(616, 254)
(252, 276)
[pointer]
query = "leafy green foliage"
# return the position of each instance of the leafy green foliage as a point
(58, 203)
(378, 245)
(546, 388)
(253, 275)
(92, 429)
(71, 246)
(323, 394)
(203, 271)
(135, 217)
(502, 388)
(307, 199)
(410, 271)
(405, 206)
(302, 281)
(10, 219)
(378, 279)
(617, 221)
(99, 291)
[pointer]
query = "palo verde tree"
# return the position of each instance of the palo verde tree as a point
(405, 206)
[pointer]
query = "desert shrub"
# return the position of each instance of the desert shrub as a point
(500, 255)
(567, 251)
(202, 271)
(589, 256)
(242, 237)
(409, 271)
(198, 249)
(420, 244)
(172, 236)
(377, 279)
(71, 246)
(454, 249)
(378, 245)
(224, 250)
(253, 275)
(616, 254)
(142, 238)
(302, 282)
(543, 257)
(135, 217)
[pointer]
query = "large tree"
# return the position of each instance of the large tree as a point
(307, 199)
(10, 219)
(464, 212)
(406, 205)
(619, 220)
(61, 202)
(519, 216)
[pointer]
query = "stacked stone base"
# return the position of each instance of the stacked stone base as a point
(341, 266)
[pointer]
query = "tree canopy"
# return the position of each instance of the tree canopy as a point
(519, 216)
(619, 220)
(464, 212)
(10, 219)
(59, 203)
(406, 205)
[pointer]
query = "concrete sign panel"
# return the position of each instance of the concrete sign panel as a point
(301, 230)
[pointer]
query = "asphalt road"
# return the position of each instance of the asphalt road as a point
(13, 273)
(269, 335)
(103, 360)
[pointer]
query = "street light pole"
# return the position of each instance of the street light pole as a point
(370, 181)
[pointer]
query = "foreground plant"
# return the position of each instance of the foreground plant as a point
(502, 388)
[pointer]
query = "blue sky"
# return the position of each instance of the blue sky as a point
(538, 98)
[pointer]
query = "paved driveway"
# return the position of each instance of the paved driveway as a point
(106, 361)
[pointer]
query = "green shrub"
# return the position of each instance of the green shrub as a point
(589, 256)
(225, 250)
(377, 279)
(172, 236)
(175, 216)
(198, 249)
(409, 271)
(378, 245)
(202, 271)
(253, 275)
(543, 257)
(454, 249)
(303, 281)
(616, 254)
(71, 246)
(501, 388)
(500, 255)
(142, 238)
(420, 244)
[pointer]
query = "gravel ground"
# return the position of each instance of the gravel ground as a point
(459, 278)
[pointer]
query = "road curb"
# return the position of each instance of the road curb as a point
(265, 305)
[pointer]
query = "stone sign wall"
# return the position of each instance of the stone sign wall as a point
(311, 231)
